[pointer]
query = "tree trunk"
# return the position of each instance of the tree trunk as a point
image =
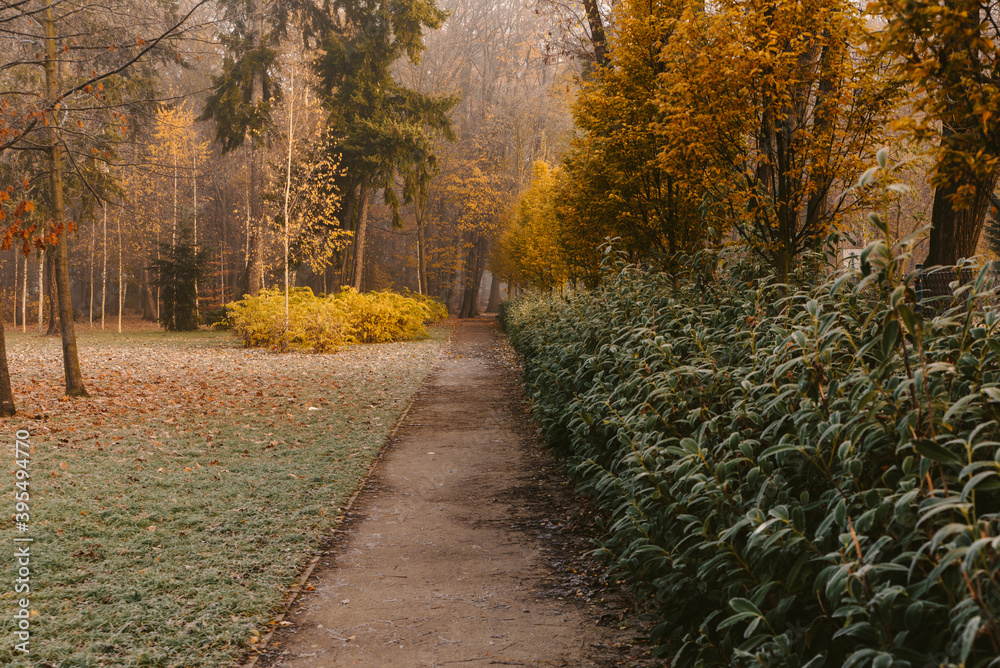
(93, 245)
(454, 290)
(359, 237)
(41, 289)
(194, 216)
(17, 276)
(288, 185)
(474, 265)
(421, 254)
(173, 225)
(224, 220)
(7, 408)
(596, 25)
(255, 259)
(823, 126)
(24, 298)
(148, 307)
(347, 224)
(255, 262)
(955, 232)
(50, 264)
(494, 304)
(104, 269)
(246, 238)
(121, 288)
(71, 358)
(156, 301)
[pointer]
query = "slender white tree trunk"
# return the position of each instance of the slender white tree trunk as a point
(121, 286)
(104, 269)
(194, 213)
(93, 242)
(288, 182)
(24, 298)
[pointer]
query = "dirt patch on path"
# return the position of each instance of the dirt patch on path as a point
(465, 546)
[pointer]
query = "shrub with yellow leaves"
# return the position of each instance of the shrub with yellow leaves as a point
(324, 323)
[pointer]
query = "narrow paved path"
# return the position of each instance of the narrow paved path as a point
(457, 552)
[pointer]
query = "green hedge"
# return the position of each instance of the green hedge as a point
(792, 477)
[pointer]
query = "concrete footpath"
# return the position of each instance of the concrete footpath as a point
(464, 548)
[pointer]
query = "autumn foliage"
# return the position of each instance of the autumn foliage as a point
(529, 251)
(323, 323)
(744, 123)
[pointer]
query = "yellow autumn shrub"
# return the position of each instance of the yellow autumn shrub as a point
(323, 323)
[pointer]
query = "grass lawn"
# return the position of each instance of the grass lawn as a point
(171, 511)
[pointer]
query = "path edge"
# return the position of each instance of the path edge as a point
(295, 591)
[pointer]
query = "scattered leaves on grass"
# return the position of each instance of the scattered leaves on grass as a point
(170, 510)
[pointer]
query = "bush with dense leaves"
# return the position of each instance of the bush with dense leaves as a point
(324, 323)
(791, 477)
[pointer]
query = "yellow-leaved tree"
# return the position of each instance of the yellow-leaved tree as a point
(746, 117)
(179, 158)
(616, 184)
(478, 191)
(529, 252)
(781, 104)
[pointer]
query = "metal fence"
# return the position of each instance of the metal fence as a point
(934, 288)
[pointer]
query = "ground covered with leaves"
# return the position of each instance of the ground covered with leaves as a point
(172, 510)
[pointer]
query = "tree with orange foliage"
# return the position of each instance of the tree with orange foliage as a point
(780, 104)
(752, 117)
(950, 54)
(481, 200)
(22, 234)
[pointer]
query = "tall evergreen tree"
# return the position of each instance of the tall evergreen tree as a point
(377, 126)
(178, 269)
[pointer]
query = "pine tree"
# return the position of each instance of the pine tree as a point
(178, 270)
(377, 126)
